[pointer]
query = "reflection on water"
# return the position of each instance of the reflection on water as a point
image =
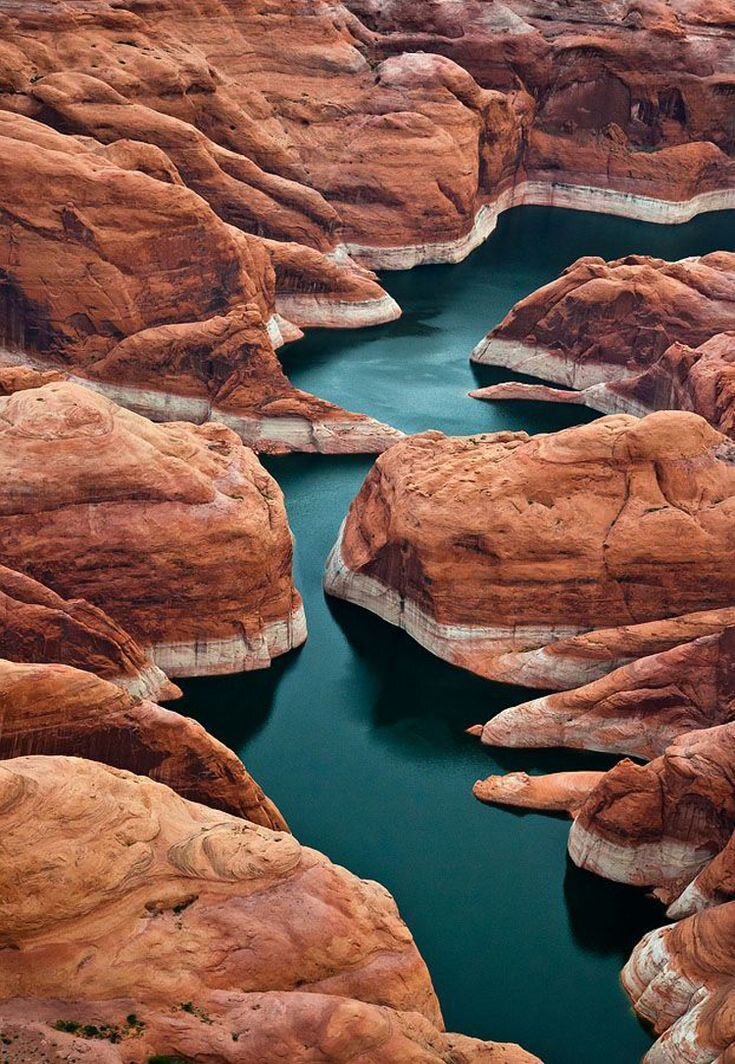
(359, 737)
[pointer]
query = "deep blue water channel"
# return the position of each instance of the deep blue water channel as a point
(358, 737)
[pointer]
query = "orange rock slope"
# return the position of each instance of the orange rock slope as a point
(667, 825)
(37, 625)
(159, 928)
(637, 709)
(506, 553)
(55, 709)
(116, 273)
(175, 531)
(399, 129)
(634, 335)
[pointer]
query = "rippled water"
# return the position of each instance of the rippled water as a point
(359, 737)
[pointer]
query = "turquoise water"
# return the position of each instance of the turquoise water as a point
(359, 736)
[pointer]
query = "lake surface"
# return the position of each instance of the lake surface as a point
(358, 736)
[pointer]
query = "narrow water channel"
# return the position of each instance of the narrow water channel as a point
(358, 737)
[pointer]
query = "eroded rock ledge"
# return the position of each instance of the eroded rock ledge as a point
(260, 944)
(176, 531)
(635, 335)
(132, 284)
(55, 709)
(185, 185)
(37, 626)
(506, 553)
(666, 825)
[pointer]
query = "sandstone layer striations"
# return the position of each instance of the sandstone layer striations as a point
(160, 928)
(398, 130)
(637, 709)
(116, 273)
(635, 335)
(55, 709)
(667, 825)
(491, 549)
(176, 531)
(37, 625)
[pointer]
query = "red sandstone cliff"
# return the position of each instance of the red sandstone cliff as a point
(188, 931)
(669, 825)
(634, 335)
(390, 126)
(666, 825)
(123, 277)
(489, 548)
(638, 709)
(175, 531)
(54, 709)
(37, 625)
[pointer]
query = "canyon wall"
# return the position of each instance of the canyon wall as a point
(176, 531)
(503, 553)
(185, 185)
(635, 335)
(55, 709)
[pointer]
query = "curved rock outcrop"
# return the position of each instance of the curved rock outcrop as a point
(37, 625)
(54, 709)
(681, 979)
(667, 825)
(638, 709)
(302, 1028)
(659, 824)
(176, 531)
(400, 130)
(200, 921)
(635, 335)
(132, 283)
(487, 548)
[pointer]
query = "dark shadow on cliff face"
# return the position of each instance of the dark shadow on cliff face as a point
(423, 701)
(234, 708)
(608, 918)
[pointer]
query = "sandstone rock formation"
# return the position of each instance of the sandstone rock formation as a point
(303, 1028)
(559, 792)
(175, 531)
(99, 277)
(681, 980)
(157, 926)
(667, 825)
(487, 548)
(398, 129)
(635, 335)
(54, 709)
(658, 824)
(638, 709)
(37, 625)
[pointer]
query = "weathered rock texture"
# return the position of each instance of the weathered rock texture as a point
(658, 824)
(175, 531)
(681, 979)
(638, 709)
(132, 283)
(303, 1028)
(635, 335)
(559, 792)
(195, 933)
(37, 625)
(54, 709)
(400, 129)
(666, 825)
(487, 548)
